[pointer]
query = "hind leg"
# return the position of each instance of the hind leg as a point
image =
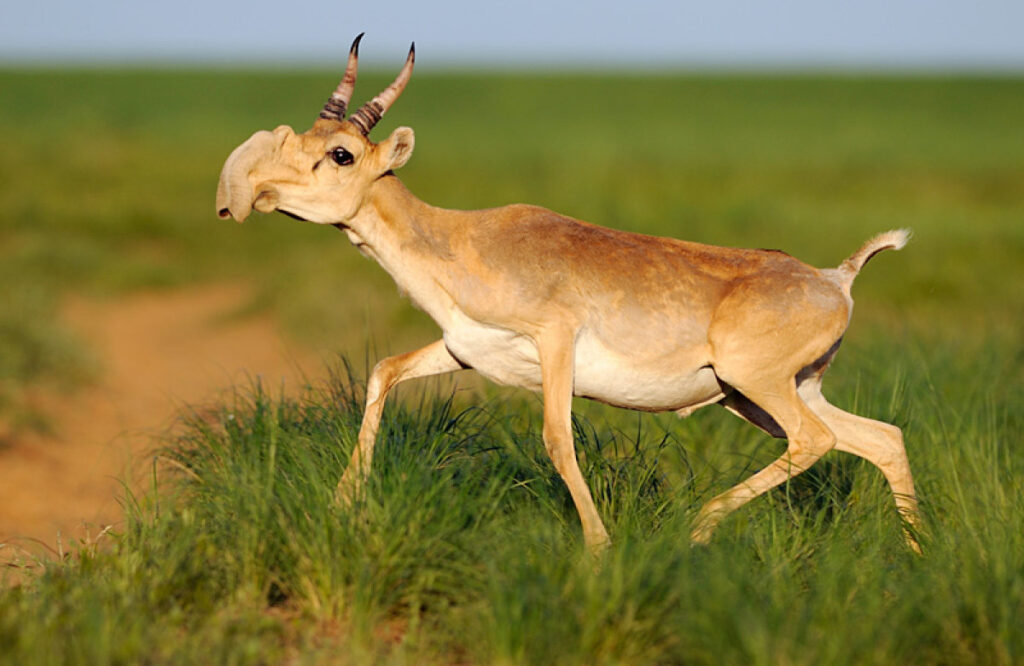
(809, 439)
(763, 333)
(879, 443)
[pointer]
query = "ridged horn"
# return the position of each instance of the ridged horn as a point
(337, 105)
(369, 114)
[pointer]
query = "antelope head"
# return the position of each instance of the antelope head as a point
(322, 175)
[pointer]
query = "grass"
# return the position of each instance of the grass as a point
(466, 548)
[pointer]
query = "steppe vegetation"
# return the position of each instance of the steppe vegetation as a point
(467, 547)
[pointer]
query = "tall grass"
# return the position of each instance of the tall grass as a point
(466, 547)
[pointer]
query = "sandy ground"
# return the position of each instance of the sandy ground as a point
(158, 351)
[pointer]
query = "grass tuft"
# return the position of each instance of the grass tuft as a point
(466, 546)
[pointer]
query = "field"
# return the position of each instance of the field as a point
(467, 548)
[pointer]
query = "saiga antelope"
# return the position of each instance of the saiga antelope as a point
(531, 298)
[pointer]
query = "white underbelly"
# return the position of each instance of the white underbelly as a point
(669, 382)
(501, 355)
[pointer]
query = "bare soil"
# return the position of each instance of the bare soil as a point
(158, 352)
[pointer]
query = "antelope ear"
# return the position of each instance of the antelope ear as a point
(396, 150)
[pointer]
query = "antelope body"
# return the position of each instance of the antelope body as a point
(531, 298)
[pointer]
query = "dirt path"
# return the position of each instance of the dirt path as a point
(158, 351)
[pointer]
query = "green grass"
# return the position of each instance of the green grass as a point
(467, 548)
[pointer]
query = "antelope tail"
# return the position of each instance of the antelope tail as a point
(890, 240)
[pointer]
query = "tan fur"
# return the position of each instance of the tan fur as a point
(532, 298)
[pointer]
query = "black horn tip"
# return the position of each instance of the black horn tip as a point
(412, 50)
(355, 44)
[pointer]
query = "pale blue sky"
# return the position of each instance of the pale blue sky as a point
(978, 34)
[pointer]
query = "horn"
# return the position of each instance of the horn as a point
(337, 105)
(369, 114)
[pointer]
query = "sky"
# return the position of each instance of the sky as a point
(862, 34)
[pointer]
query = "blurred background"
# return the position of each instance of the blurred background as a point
(798, 125)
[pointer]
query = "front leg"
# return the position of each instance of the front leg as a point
(434, 359)
(557, 351)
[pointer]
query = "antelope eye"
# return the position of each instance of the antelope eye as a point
(342, 157)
